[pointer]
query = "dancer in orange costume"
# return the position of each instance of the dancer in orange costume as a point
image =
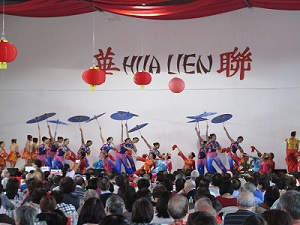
(292, 147)
(149, 163)
(189, 163)
(27, 149)
(3, 155)
(14, 153)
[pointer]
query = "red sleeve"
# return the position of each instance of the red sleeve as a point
(182, 155)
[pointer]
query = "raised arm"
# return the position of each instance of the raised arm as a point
(199, 136)
(229, 137)
(206, 134)
(81, 134)
(101, 135)
(149, 146)
(122, 133)
(40, 137)
(50, 135)
(127, 133)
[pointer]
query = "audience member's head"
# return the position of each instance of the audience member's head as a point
(79, 181)
(226, 188)
(255, 220)
(179, 184)
(189, 185)
(143, 193)
(246, 200)
(178, 206)
(92, 212)
(35, 184)
(25, 215)
(47, 203)
(162, 205)
(58, 196)
(67, 185)
(290, 203)
(236, 183)
(115, 219)
(92, 183)
(143, 183)
(204, 204)
(271, 195)
(249, 187)
(201, 218)
(55, 217)
(103, 183)
(12, 187)
(263, 183)
(114, 205)
(194, 174)
(90, 194)
(38, 194)
(142, 211)
(158, 190)
(217, 179)
(277, 217)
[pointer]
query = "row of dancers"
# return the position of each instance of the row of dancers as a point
(54, 153)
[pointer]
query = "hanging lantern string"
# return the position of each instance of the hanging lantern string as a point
(94, 61)
(3, 33)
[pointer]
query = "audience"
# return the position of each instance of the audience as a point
(178, 207)
(142, 211)
(290, 203)
(92, 212)
(25, 215)
(277, 217)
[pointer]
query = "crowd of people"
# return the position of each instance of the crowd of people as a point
(182, 197)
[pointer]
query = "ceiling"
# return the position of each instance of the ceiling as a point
(148, 9)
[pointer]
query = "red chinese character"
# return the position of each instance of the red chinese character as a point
(232, 62)
(105, 62)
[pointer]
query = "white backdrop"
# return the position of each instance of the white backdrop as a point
(54, 52)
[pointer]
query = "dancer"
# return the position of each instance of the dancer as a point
(34, 151)
(153, 149)
(85, 147)
(131, 146)
(292, 147)
(53, 147)
(107, 145)
(149, 163)
(233, 159)
(82, 164)
(3, 155)
(189, 162)
(212, 155)
(27, 149)
(43, 147)
(14, 153)
(271, 163)
(163, 164)
(59, 158)
(121, 157)
(202, 151)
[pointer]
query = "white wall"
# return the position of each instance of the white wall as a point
(54, 52)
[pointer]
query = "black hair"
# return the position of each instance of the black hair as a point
(293, 133)
(29, 137)
(226, 187)
(44, 138)
(155, 144)
(92, 211)
(108, 139)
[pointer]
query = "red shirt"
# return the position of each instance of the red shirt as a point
(227, 201)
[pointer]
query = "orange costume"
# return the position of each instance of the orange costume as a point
(292, 153)
(3, 156)
(189, 164)
(13, 157)
(149, 163)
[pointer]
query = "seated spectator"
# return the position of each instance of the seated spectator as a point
(80, 186)
(47, 205)
(6, 203)
(189, 189)
(204, 204)
(25, 215)
(54, 218)
(32, 185)
(277, 217)
(215, 183)
(156, 192)
(5, 176)
(92, 212)
(88, 194)
(225, 197)
(263, 184)
(55, 186)
(178, 207)
(236, 184)
(143, 183)
(204, 192)
(114, 205)
(36, 197)
(92, 184)
(179, 185)
(67, 186)
(271, 195)
(104, 184)
(201, 218)
(115, 219)
(38, 174)
(66, 208)
(246, 205)
(162, 215)
(251, 187)
(4, 218)
(12, 187)
(142, 212)
(255, 220)
(24, 185)
(290, 203)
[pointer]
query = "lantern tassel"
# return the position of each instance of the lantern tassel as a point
(3, 65)
(92, 87)
(142, 87)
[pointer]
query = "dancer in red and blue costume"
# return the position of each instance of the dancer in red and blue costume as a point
(53, 149)
(233, 159)
(59, 159)
(131, 146)
(212, 147)
(43, 147)
(201, 162)
(164, 164)
(85, 147)
(121, 157)
(153, 149)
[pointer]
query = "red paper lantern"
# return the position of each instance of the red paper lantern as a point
(94, 76)
(176, 85)
(142, 78)
(8, 53)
